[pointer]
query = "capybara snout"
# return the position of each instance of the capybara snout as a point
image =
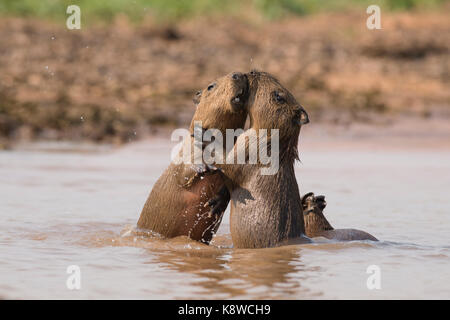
(223, 103)
(239, 100)
(235, 86)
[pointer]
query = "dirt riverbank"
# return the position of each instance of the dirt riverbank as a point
(121, 82)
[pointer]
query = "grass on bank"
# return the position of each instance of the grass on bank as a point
(169, 10)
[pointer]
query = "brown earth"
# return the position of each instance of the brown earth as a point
(120, 82)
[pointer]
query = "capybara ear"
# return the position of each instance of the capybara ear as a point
(197, 97)
(301, 116)
(305, 197)
(304, 118)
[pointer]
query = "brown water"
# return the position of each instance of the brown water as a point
(75, 205)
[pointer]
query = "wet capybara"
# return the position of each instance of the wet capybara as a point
(176, 205)
(264, 207)
(316, 225)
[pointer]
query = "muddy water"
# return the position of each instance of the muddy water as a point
(76, 205)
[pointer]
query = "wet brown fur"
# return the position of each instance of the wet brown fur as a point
(316, 225)
(264, 208)
(176, 204)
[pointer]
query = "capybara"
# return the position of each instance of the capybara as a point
(176, 205)
(264, 207)
(316, 225)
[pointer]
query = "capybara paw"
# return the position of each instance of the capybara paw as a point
(307, 199)
(219, 203)
(310, 202)
(195, 172)
(320, 202)
(204, 169)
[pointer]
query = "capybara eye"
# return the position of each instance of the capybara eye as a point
(211, 86)
(198, 93)
(279, 97)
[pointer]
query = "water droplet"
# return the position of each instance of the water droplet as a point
(81, 118)
(53, 38)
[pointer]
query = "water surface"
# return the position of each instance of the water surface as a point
(64, 206)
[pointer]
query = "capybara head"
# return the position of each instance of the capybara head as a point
(272, 106)
(222, 104)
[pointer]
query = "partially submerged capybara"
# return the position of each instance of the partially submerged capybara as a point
(264, 208)
(316, 225)
(176, 205)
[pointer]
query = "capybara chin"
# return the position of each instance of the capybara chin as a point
(264, 208)
(316, 225)
(176, 205)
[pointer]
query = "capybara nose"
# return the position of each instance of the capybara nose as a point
(237, 76)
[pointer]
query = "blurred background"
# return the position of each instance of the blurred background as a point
(132, 69)
(377, 146)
